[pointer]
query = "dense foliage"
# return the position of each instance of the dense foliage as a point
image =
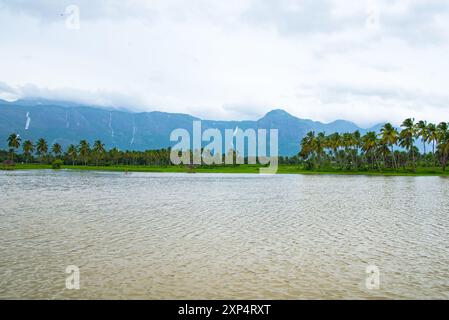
(390, 149)
(82, 154)
(85, 154)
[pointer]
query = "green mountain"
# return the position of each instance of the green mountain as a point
(68, 123)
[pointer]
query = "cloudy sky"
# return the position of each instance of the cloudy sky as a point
(363, 60)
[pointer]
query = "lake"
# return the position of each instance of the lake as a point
(223, 236)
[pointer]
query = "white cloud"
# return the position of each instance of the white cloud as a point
(233, 59)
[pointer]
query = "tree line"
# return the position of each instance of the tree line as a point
(95, 154)
(81, 154)
(390, 149)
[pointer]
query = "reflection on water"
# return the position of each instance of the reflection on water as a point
(214, 236)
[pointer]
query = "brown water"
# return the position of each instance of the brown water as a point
(160, 236)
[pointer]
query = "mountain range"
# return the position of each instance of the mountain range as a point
(68, 123)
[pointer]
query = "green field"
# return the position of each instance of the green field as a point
(283, 169)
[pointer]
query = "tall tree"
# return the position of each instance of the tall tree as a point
(432, 137)
(42, 148)
(348, 143)
(370, 145)
(423, 132)
(98, 150)
(28, 149)
(319, 145)
(72, 153)
(443, 146)
(308, 147)
(334, 142)
(13, 144)
(443, 140)
(84, 151)
(407, 137)
(57, 150)
(357, 145)
(115, 156)
(389, 137)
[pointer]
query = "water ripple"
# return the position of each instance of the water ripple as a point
(175, 236)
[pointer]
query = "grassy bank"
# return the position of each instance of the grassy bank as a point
(283, 169)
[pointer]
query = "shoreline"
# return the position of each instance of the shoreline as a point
(240, 169)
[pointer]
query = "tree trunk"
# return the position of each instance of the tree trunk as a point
(433, 151)
(394, 158)
(377, 162)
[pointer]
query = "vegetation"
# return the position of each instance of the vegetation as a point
(57, 164)
(389, 152)
(13, 144)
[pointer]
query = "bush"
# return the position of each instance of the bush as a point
(57, 164)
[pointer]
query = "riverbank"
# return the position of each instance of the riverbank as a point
(283, 169)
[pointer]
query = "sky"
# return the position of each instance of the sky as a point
(367, 61)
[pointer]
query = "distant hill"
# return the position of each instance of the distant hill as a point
(68, 123)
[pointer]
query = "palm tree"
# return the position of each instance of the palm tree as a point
(443, 147)
(319, 145)
(84, 150)
(56, 149)
(28, 149)
(13, 144)
(334, 141)
(357, 145)
(42, 148)
(407, 137)
(72, 153)
(432, 137)
(98, 150)
(370, 144)
(442, 133)
(307, 146)
(348, 143)
(423, 132)
(389, 137)
(115, 155)
(442, 127)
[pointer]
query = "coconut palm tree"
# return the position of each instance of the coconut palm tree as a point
(407, 137)
(115, 155)
(56, 149)
(319, 145)
(357, 145)
(28, 149)
(42, 148)
(443, 147)
(84, 151)
(72, 153)
(334, 142)
(442, 130)
(370, 145)
(423, 132)
(13, 144)
(307, 146)
(98, 150)
(348, 143)
(442, 127)
(432, 137)
(389, 136)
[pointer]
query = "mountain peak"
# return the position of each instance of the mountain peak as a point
(278, 113)
(127, 130)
